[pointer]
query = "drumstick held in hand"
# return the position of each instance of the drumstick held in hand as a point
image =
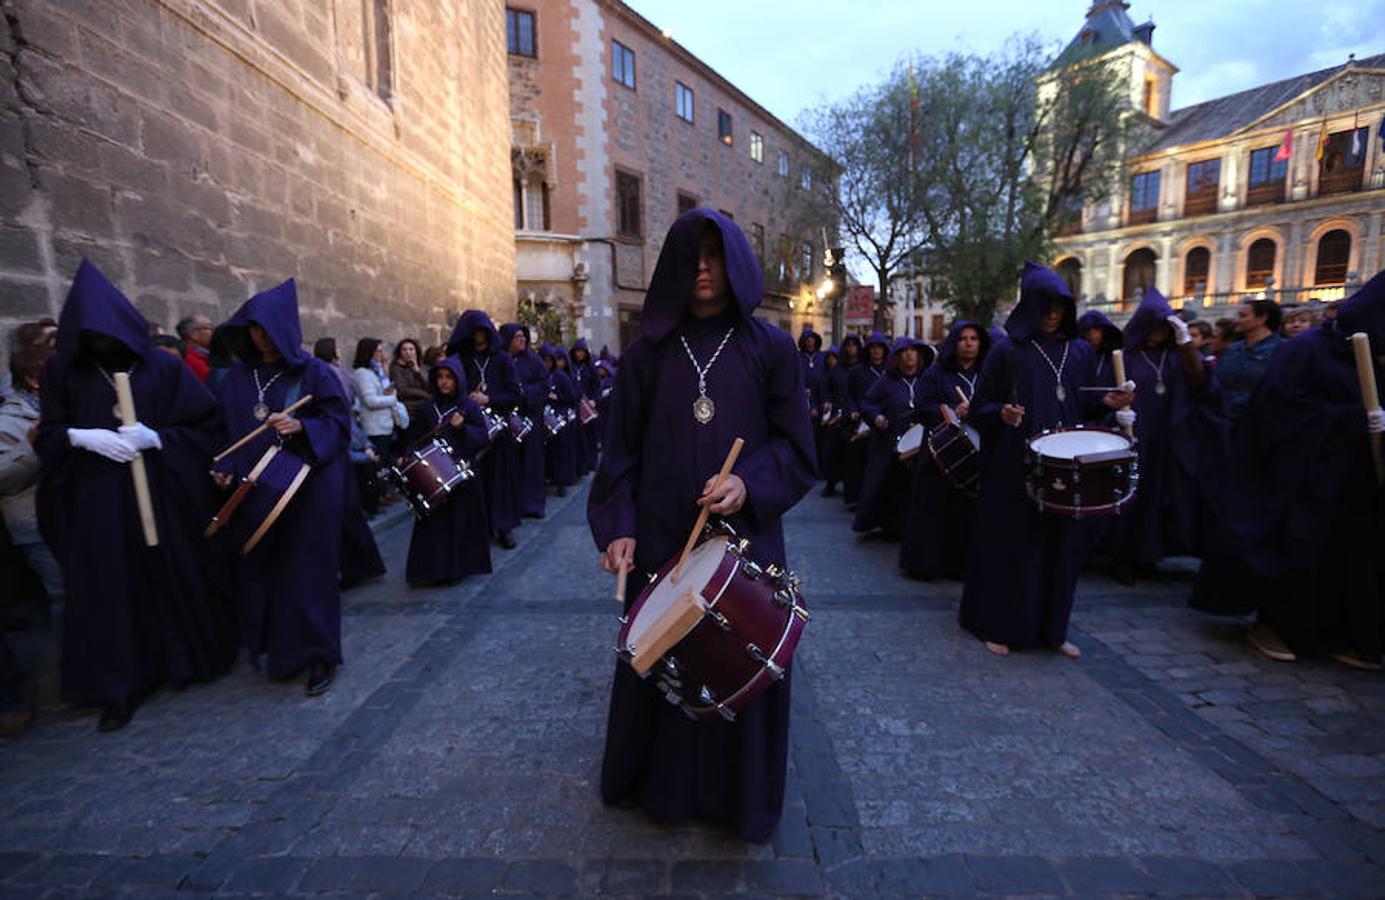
(127, 417)
(1118, 363)
(306, 398)
(707, 510)
(1370, 396)
(621, 572)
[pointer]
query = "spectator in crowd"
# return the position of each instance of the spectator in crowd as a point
(168, 344)
(196, 334)
(433, 355)
(1201, 333)
(378, 407)
(1241, 367)
(1297, 320)
(1223, 336)
(30, 334)
(410, 382)
(19, 466)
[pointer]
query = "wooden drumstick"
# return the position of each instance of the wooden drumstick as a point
(621, 571)
(1370, 397)
(306, 398)
(707, 510)
(1118, 363)
(961, 394)
(126, 399)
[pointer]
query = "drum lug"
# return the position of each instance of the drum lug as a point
(784, 598)
(752, 569)
(802, 613)
(755, 653)
(738, 547)
(725, 713)
(624, 653)
(774, 571)
(775, 670)
(721, 621)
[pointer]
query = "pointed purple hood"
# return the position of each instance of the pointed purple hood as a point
(1365, 311)
(809, 334)
(875, 338)
(1150, 314)
(926, 351)
(672, 284)
(1110, 335)
(94, 304)
(1040, 288)
(460, 341)
(276, 311)
(947, 352)
(453, 365)
(507, 334)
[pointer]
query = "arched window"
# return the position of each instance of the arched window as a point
(1260, 263)
(1196, 265)
(1334, 253)
(1139, 274)
(1070, 270)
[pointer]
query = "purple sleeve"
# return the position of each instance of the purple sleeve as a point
(505, 392)
(326, 420)
(781, 470)
(873, 403)
(993, 388)
(611, 505)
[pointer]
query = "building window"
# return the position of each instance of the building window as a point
(1070, 215)
(1196, 265)
(805, 261)
(683, 101)
(757, 235)
(519, 205)
(1267, 177)
(783, 164)
(1343, 161)
(1070, 270)
(686, 202)
(1260, 263)
(724, 127)
(1334, 253)
(805, 180)
(519, 32)
(757, 147)
(384, 58)
(1144, 198)
(531, 204)
(783, 252)
(1149, 97)
(1139, 274)
(623, 64)
(1200, 197)
(628, 205)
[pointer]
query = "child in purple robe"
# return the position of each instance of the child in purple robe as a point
(703, 372)
(289, 584)
(565, 450)
(1024, 564)
(833, 404)
(1099, 331)
(891, 407)
(859, 379)
(584, 374)
(135, 616)
(533, 385)
(452, 541)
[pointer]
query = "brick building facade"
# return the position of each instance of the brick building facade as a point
(617, 129)
(200, 150)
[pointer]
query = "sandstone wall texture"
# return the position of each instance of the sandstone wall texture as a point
(200, 150)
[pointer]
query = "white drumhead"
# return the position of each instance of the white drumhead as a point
(1071, 444)
(972, 435)
(911, 439)
(697, 572)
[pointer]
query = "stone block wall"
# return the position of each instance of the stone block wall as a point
(201, 150)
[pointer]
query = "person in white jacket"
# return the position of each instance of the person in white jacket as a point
(378, 409)
(19, 467)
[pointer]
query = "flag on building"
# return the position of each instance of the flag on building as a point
(1286, 147)
(1322, 141)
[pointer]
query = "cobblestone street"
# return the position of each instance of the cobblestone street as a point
(458, 754)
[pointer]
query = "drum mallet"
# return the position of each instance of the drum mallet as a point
(706, 510)
(1370, 397)
(126, 399)
(1118, 363)
(306, 398)
(621, 571)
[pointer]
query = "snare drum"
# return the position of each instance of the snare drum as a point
(553, 422)
(586, 411)
(862, 432)
(956, 450)
(721, 635)
(261, 498)
(1082, 471)
(429, 475)
(909, 443)
(520, 426)
(495, 423)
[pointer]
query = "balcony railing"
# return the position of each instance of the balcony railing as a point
(1217, 305)
(1341, 181)
(1144, 216)
(1262, 194)
(1202, 204)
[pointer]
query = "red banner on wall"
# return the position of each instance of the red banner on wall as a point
(860, 304)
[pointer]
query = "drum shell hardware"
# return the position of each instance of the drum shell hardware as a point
(1085, 485)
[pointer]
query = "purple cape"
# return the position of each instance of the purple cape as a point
(565, 451)
(135, 616)
(288, 585)
(584, 374)
(884, 491)
(533, 385)
(501, 470)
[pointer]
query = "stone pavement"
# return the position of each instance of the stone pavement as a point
(458, 755)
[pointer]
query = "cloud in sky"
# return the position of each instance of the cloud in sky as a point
(791, 55)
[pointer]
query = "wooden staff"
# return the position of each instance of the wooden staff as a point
(707, 510)
(1370, 397)
(306, 398)
(126, 399)
(621, 572)
(1118, 363)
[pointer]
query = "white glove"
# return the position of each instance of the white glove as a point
(1181, 335)
(1125, 418)
(103, 442)
(1127, 386)
(141, 436)
(1375, 421)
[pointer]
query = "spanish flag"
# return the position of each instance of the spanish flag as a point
(1322, 141)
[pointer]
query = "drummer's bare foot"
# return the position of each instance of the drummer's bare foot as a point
(1070, 650)
(997, 649)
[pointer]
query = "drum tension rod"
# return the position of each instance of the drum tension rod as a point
(721, 621)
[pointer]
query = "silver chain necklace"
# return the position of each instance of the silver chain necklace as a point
(909, 383)
(261, 409)
(481, 371)
(115, 410)
(704, 410)
(970, 383)
(1060, 392)
(1158, 370)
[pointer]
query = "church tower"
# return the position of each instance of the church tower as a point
(1109, 32)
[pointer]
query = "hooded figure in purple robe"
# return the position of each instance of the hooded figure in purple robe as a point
(1024, 563)
(290, 596)
(533, 385)
(658, 462)
(810, 359)
(891, 407)
(452, 541)
(589, 383)
(490, 375)
(1303, 510)
(606, 376)
(834, 403)
(859, 379)
(134, 616)
(1183, 439)
(938, 527)
(1099, 331)
(565, 450)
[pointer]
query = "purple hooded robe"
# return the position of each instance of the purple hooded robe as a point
(453, 541)
(1024, 563)
(832, 440)
(533, 386)
(583, 373)
(134, 616)
(859, 379)
(1111, 339)
(290, 598)
(501, 470)
(938, 526)
(652, 471)
(885, 488)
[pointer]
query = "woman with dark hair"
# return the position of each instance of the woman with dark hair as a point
(377, 407)
(410, 382)
(1099, 331)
